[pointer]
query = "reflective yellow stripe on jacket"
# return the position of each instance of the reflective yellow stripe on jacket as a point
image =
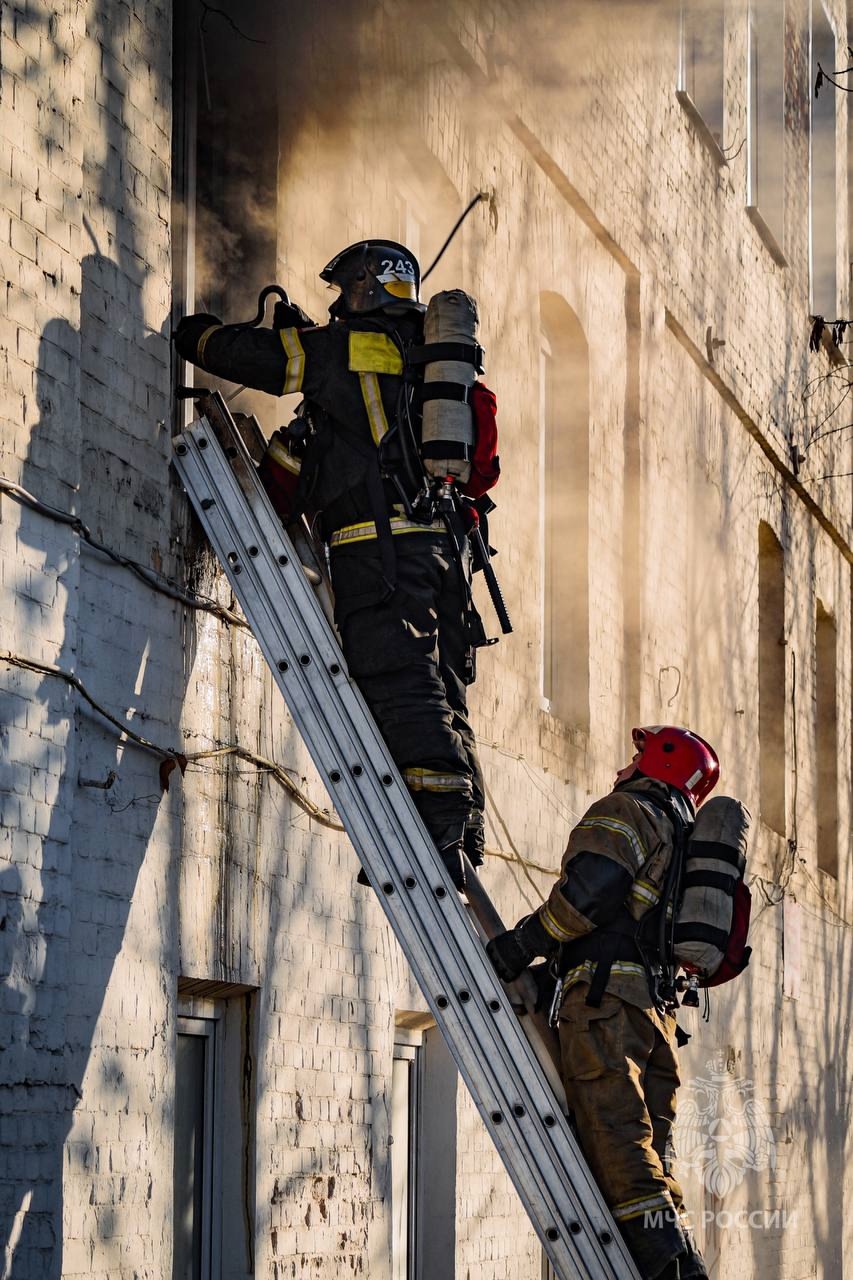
(371, 354)
(372, 397)
(432, 780)
(365, 531)
(553, 927)
(202, 343)
(584, 972)
(629, 1209)
(629, 835)
(295, 353)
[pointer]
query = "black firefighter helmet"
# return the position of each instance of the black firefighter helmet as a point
(375, 275)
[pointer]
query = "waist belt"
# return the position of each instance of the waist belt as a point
(366, 530)
(617, 941)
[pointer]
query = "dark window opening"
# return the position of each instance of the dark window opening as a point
(224, 206)
(771, 678)
(193, 1159)
(826, 738)
(824, 300)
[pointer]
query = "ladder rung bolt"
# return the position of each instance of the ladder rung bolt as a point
(549, 1122)
(575, 1228)
(207, 503)
(180, 450)
(410, 882)
(335, 776)
(357, 771)
(495, 1006)
(253, 551)
(440, 891)
(387, 779)
(335, 669)
(388, 887)
(552, 1233)
(283, 665)
(282, 560)
(518, 1111)
(442, 1002)
(305, 659)
(464, 996)
(606, 1237)
(202, 442)
(497, 1118)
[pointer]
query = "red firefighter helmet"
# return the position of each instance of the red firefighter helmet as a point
(678, 757)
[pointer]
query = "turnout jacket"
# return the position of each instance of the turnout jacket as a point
(351, 375)
(617, 856)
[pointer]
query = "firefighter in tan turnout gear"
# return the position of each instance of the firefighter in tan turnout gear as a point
(599, 928)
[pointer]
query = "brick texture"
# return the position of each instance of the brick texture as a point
(603, 192)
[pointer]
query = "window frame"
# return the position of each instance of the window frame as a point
(826, 750)
(686, 98)
(813, 305)
(545, 649)
(773, 239)
(203, 1019)
(772, 607)
(408, 1047)
(564, 352)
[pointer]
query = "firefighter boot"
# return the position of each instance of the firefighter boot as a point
(475, 839)
(692, 1265)
(451, 856)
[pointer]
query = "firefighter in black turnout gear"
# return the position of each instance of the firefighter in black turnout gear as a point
(351, 460)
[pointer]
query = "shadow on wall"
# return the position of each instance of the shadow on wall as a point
(65, 910)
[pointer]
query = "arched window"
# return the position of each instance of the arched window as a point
(564, 511)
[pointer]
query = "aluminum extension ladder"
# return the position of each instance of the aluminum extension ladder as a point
(465, 996)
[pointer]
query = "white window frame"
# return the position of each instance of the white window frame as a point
(827, 89)
(545, 354)
(685, 97)
(202, 1018)
(408, 1046)
(773, 238)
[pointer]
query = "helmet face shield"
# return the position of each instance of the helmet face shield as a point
(375, 275)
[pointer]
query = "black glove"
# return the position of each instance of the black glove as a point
(188, 332)
(513, 951)
(289, 315)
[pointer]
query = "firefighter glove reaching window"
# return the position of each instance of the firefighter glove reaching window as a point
(385, 457)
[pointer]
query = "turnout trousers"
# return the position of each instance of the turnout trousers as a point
(621, 1075)
(406, 651)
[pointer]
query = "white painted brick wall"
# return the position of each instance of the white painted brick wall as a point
(109, 895)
